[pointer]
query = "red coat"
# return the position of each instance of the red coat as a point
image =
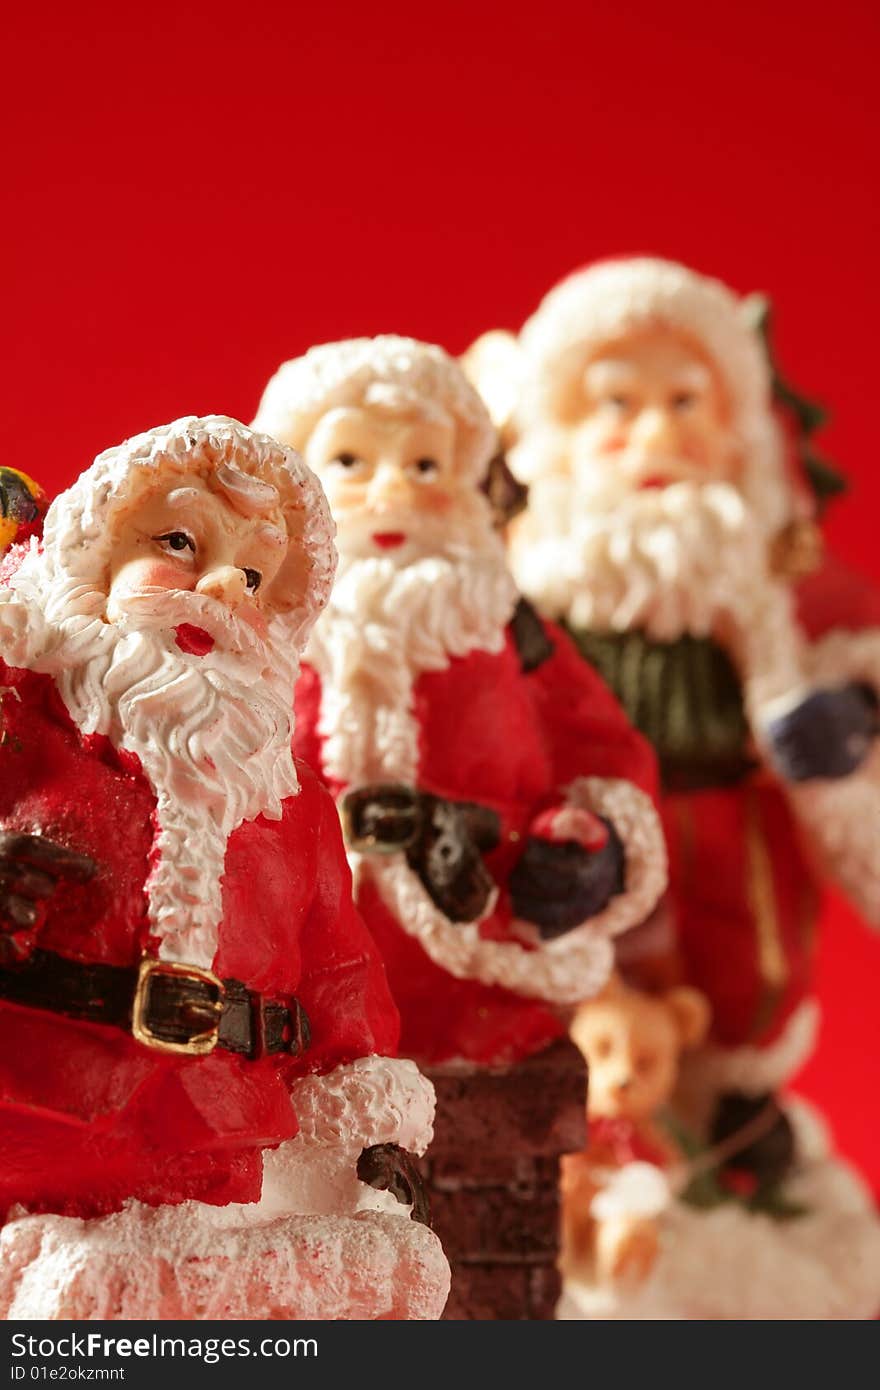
(89, 1116)
(745, 888)
(510, 739)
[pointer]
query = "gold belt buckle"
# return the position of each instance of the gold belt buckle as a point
(200, 1044)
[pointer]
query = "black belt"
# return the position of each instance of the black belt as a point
(165, 1005)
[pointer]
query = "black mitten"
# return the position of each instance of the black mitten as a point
(828, 735)
(559, 885)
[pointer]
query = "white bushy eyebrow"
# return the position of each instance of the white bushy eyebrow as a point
(249, 496)
(182, 496)
(610, 372)
(692, 376)
(272, 536)
(607, 373)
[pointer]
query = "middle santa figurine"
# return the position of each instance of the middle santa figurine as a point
(498, 807)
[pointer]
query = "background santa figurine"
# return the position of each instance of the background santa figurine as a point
(495, 800)
(201, 1116)
(666, 530)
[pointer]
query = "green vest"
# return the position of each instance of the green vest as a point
(684, 696)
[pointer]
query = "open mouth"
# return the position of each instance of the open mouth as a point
(654, 480)
(389, 540)
(195, 641)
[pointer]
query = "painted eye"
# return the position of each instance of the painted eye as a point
(346, 460)
(618, 401)
(645, 1063)
(176, 542)
(254, 580)
(425, 467)
(603, 1047)
(683, 400)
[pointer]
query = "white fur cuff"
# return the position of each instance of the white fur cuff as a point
(755, 1070)
(637, 1189)
(574, 966)
(373, 1100)
(842, 816)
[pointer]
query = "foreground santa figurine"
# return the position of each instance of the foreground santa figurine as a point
(201, 1117)
(666, 530)
(495, 800)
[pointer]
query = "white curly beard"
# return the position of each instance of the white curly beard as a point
(689, 558)
(212, 733)
(384, 625)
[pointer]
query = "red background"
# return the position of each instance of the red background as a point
(197, 191)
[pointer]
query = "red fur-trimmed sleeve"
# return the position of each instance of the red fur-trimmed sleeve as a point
(837, 597)
(343, 986)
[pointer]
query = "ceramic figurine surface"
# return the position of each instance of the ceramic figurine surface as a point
(615, 1192)
(202, 1113)
(673, 530)
(498, 806)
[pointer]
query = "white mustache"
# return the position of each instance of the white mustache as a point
(157, 609)
(425, 538)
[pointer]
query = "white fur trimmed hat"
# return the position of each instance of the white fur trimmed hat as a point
(611, 298)
(399, 373)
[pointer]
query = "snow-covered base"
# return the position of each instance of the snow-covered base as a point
(318, 1244)
(729, 1264)
(182, 1262)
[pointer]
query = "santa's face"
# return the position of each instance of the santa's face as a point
(645, 411)
(220, 535)
(392, 483)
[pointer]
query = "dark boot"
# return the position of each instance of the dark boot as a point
(760, 1167)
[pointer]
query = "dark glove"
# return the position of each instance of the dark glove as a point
(389, 1168)
(443, 841)
(770, 1155)
(560, 885)
(31, 867)
(829, 734)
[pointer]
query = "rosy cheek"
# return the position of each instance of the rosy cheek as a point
(612, 444)
(151, 574)
(694, 449)
(431, 502)
(161, 575)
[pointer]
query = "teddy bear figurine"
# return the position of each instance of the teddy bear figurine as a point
(654, 1224)
(615, 1191)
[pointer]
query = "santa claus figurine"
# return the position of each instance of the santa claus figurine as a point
(201, 1116)
(666, 529)
(495, 801)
